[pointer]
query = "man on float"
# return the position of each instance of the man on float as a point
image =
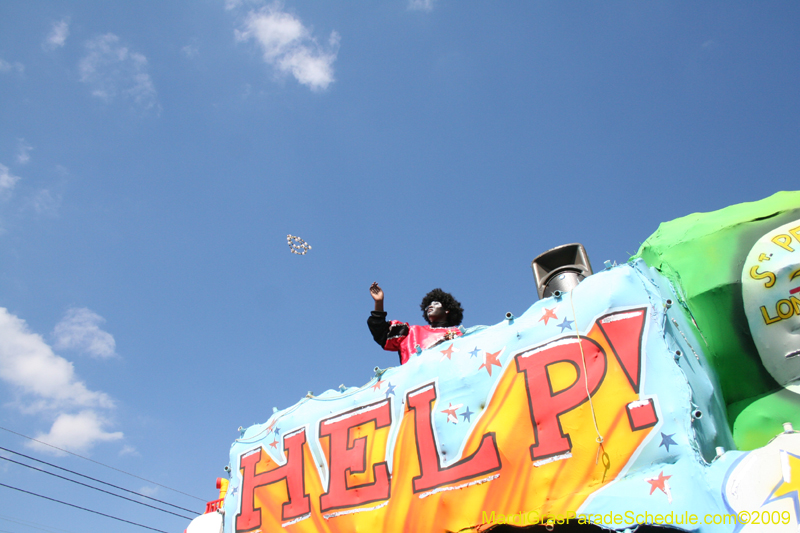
(441, 311)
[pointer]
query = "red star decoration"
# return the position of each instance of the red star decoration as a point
(548, 314)
(658, 483)
(491, 359)
(269, 428)
(451, 412)
(377, 385)
(274, 443)
(448, 352)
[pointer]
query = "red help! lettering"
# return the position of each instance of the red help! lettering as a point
(298, 503)
(353, 460)
(546, 405)
(485, 460)
(623, 330)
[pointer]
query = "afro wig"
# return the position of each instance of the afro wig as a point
(455, 314)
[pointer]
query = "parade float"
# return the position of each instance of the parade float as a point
(660, 393)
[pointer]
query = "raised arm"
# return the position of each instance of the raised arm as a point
(377, 294)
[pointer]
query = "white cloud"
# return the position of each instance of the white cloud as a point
(76, 433)
(112, 70)
(7, 179)
(149, 491)
(46, 385)
(58, 35)
(80, 330)
(420, 5)
(5, 66)
(28, 364)
(129, 450)
(44, 202)
(190, 50)
(289, 47)
(23, 151)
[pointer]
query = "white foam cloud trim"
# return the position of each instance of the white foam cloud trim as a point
(80, 330)
(58, 35)
(112, 70)
(7, 179)
(289, 46)
(77, 433)
(28, 364)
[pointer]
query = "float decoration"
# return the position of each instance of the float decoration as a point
(603, 405)
(724, 266)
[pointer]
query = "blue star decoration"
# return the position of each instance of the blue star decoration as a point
(474, 353)
(390, 390)
(466, 414)
(566, 324)
(277, 431)
(666, 441)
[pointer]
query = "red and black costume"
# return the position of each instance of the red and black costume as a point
(399, 337)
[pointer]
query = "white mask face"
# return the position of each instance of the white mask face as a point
(771, 295)
(434, 310)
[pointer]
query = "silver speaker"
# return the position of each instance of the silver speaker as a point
(560, 269)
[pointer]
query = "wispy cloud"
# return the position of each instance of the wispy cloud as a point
(7, 180)
(190, 50)
(58, 35)
(149, 491)
(129, 450)
(290, 47)
(80, 330)
(6, 67)
(23, 151)
(46, 385)
(45, 202)
(236, 4)
(112, 70)
(420, 5)
(75, 432)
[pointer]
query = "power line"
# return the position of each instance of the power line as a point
(82, 508)
(28, 523)
(95, 488)
(97, 480)
(101, 464)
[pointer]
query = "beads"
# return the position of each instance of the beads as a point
(297, 245)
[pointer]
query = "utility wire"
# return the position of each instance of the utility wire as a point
(95, 488)
(28, 523)
(82, 508)
(101, 464)
(97, 480)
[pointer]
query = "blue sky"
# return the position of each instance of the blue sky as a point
(154, 156)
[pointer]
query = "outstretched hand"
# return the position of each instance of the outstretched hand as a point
(376, 292)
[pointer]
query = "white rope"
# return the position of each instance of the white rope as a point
(599, 438)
